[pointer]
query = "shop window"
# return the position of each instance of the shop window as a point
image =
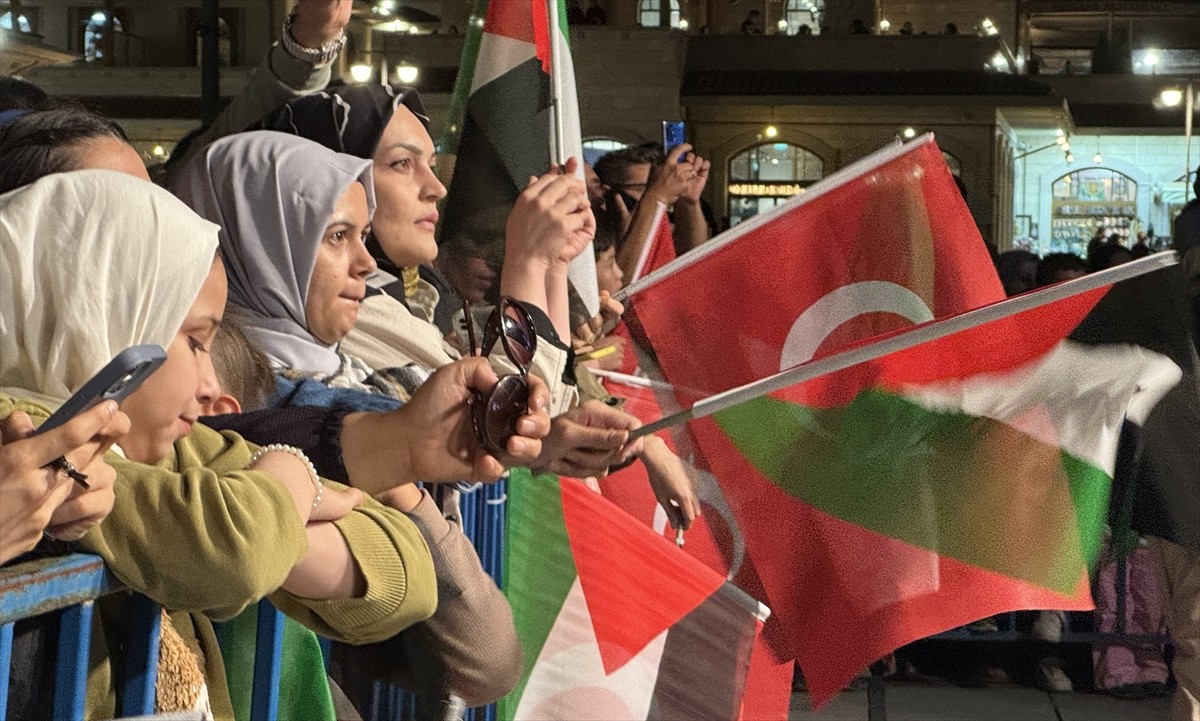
(804, 17)
(766, 175)
(594, 148)
(650, 13)
(1089, 202)
(24, 22)
(93, 34)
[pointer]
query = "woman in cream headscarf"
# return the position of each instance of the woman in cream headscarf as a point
(208, 529)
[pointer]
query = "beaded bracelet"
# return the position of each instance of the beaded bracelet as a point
(312, 471)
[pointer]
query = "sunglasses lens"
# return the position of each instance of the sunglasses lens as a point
(496, 416)
(520, 338)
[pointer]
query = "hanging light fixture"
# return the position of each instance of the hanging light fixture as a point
(1097, 158)
(770, 131)
(360, 72)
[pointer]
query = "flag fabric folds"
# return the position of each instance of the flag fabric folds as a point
(1162, 495)
(961, 477)
(508, 128)
(616, 622)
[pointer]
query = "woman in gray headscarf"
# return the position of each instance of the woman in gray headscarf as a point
(294, 216)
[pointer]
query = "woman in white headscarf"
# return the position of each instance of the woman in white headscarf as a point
(211, 526)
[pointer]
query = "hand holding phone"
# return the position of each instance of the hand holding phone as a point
(115, 381)
(673, 136)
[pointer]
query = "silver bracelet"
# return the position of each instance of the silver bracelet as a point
(312, 471)
(323, 55)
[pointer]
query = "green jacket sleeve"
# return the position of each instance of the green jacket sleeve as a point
(207, 538)
(401, 584)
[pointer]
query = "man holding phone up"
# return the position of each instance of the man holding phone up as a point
(637, 178)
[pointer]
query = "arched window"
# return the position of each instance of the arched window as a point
(21, 25)
(650, 13)
(766, 175)
(594, 148)
(804, 16)
(93, 35)
(1087, 202)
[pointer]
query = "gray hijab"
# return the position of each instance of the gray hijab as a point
(272, 194)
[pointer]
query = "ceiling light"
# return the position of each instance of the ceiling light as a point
(360, 72)
(406, 73)
(910, 132)
(1170, 97)
(770, 131)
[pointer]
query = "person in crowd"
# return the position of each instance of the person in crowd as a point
(752, 25)
(301, 63)
(906, 28)
(1179, 566)
(1108, 255)
(637, 179)
(36, 495)
(858, 27)
(18, 94)
(37, 143)
(292, 325)
(1018, 271)
(386, 124)
(950, 29)
(1057, 267)
(340, 563)
(575, 14)
(595, 15)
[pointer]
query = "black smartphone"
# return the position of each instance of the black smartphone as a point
(115, 381)
(673, 135)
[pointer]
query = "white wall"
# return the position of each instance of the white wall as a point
(1154, 162)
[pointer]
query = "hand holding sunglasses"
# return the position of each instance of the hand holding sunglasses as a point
(494, 413)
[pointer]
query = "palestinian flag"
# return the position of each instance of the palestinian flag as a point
(930, 478)
(508, 131)
(713, 540)
(1161, 495)
(616, 622)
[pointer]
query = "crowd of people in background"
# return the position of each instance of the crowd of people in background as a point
(323, 389)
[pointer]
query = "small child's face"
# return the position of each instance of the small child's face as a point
(608, 274)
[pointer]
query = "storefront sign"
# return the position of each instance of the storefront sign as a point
(1131, 7)
(776, 190)
(1070, 209)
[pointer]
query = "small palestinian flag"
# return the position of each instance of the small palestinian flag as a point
(616, 622)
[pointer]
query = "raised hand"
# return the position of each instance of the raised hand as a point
(318, 22)
(588, 439)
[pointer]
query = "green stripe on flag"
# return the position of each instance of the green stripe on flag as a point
(539, 568)
(1090, 491)
(965, 487)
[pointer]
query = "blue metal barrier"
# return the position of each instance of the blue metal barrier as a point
(69, 586)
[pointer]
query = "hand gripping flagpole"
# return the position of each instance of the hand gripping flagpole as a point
(929, 331)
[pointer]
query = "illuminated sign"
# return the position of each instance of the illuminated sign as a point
(1093, 210)
(778, 190)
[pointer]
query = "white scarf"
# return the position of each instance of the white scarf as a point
(91, 262)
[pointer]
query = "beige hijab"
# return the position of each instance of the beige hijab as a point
(91, 262)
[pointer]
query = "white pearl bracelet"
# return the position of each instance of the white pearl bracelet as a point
(312, 471)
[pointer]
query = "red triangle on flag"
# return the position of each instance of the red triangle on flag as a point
(637, 584)
(526, 21)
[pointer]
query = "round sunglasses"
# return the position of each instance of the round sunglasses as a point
(495, 413)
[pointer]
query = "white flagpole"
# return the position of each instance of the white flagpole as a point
(923, 333)
(557, 137)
